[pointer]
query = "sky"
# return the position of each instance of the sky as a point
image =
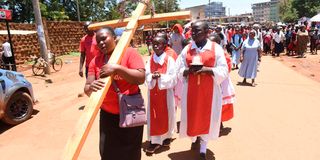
(236, 6)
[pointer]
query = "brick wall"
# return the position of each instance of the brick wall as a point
(63, 37)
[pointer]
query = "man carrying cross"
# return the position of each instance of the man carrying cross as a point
(202, 67)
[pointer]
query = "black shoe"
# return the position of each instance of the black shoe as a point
(203, 156)
(152, 148)
(196, 145)
(166, 142)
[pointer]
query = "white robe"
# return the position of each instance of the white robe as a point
(228, 91)
(220, 71)
(166, 81)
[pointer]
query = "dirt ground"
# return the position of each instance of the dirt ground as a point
(309, 66)
(277, 119)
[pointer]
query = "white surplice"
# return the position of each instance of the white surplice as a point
(166, 81)
(220, 71)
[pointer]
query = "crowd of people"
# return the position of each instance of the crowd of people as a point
(189, 70)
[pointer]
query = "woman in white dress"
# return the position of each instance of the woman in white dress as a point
(250, 55)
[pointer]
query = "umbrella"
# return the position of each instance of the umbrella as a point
(316, 18)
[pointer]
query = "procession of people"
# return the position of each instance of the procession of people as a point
(187, 74)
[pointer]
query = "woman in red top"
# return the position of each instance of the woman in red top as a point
(115, 142)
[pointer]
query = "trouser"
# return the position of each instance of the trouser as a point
(86, 71)
(9, 62)
(118, 143)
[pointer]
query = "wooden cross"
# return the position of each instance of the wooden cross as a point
(76, 141)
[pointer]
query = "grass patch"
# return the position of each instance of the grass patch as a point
(143, 50)
(75, 54)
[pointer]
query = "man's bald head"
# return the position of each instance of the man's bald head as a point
(200, 30)
(202, 24)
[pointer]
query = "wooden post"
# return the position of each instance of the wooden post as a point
(146, 19)
(78, 138)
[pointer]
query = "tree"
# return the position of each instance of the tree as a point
(92, 10)
(306, 8)
(21, 9)
(53, 10)
(288, 14)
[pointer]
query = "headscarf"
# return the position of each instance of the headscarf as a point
(180, 29)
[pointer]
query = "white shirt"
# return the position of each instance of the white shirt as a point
(6, 49)
(278, 37)
(159, 59)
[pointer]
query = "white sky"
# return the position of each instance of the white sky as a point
(236, 6)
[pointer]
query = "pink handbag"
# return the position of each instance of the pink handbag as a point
(132, 109)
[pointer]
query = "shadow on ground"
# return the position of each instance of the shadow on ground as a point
(225, 131)
(4, 127)
(190, 155)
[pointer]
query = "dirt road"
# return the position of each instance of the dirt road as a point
(278, 119)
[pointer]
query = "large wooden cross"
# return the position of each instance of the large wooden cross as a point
(76, 141)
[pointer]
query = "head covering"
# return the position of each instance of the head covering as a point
(180, 29)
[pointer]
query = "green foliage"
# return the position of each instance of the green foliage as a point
(306, 8)
(53, 10)
(292, 10)
(288, 14)
(75, 54)
(21, 9)
(143, 50)
(92, 10)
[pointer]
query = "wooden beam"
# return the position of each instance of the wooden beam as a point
(146, 19)
(83, 127)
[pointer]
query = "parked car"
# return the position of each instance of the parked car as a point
(16, 97)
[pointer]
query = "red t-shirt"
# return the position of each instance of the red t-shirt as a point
(131, 59)
(230, 34)
(88, 45)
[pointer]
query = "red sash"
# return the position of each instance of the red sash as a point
(199, 102)
(158, 103)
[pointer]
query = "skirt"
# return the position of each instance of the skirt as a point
(118, 143)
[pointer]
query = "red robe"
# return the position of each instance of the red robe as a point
(200, 95)
(158, 103)
(227, 109)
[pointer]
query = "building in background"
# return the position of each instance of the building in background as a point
(245, 19)
(197, 12)
(215, 9)
(266, 11)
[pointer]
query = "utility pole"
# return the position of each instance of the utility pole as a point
(42, 40)
(78, 12)
(167, 12)
(209, 12)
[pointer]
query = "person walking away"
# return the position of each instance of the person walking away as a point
(88, 49)
(202, 67)
(160, 79)
(302, 41)
(251, 54)
(7, 56)
(115, 142)
(236, 43)
(177, 38)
